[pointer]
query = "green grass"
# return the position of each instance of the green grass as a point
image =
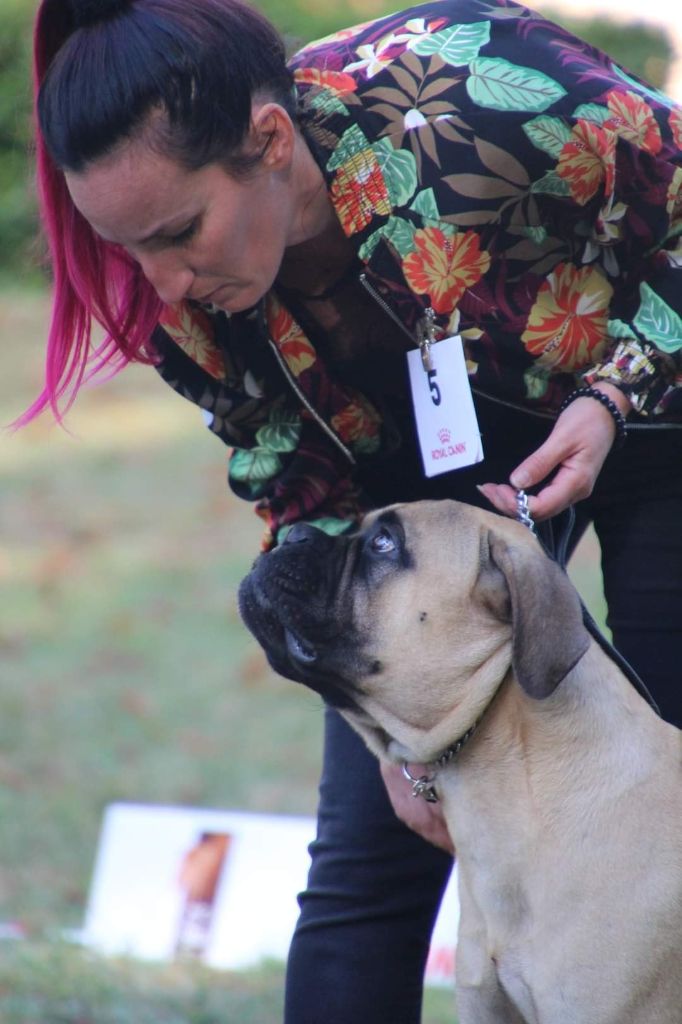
(57, 984)
(54, 984)
(125, 674)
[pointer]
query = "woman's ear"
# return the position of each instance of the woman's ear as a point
(273, 134)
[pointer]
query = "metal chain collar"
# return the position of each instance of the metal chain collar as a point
(523, 515)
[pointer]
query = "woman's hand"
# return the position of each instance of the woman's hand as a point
(424, 818)
(576, 448)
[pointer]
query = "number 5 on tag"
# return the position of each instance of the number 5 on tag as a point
(447, 427)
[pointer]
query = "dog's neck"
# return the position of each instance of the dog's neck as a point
(425, 785)
(389, 735)
(527, 746)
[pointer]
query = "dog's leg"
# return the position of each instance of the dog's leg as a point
(486, 1002)
(480, 996)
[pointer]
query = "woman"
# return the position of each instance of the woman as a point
(275, 240)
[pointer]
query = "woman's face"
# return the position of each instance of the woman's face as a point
(203, 234)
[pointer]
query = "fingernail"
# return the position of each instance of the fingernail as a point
(519, 479)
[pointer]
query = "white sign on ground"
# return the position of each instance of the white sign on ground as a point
(219, 886)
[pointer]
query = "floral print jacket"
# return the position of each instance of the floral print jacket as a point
(491, 169)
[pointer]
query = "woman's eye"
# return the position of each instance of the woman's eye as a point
(185, 235)
(382, 543)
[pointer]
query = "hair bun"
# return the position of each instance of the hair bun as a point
(89, 12)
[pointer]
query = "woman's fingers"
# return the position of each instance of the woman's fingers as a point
(501, 496)
(570, 460)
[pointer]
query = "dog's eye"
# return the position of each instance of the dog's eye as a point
(382, 542)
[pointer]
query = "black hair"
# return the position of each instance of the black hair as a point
(197, 63)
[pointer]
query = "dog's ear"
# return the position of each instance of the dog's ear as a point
(549, 637)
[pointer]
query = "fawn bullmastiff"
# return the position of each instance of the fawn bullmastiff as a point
(438, 622)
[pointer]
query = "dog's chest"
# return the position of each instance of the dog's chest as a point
(494, 949)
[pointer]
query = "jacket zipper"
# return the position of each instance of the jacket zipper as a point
(424, 342)
(306, 402)
(425, 337)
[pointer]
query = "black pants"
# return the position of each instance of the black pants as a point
(374, 887)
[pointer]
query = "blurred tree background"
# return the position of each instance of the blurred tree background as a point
(643, 49)
(17, 207)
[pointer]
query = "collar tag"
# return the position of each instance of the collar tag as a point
(424, 786)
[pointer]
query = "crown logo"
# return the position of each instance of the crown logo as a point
(444, 435)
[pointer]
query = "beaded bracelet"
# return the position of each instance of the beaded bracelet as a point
(608, 403)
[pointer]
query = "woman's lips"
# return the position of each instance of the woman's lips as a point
(218, 297)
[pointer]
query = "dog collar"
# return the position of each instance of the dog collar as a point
(425, 785)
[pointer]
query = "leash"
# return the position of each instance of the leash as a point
(556, 548)
(523, 515)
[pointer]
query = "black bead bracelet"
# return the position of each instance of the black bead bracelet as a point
(608, 403)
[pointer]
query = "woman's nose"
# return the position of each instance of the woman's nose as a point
(170, 279)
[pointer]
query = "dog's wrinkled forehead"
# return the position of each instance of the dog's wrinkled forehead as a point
(432, 523)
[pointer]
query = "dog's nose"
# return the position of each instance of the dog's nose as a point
(302, 533)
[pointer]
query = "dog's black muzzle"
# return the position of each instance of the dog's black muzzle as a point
(293, 603)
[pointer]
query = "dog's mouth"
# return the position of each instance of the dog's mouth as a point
(276, 607)
(299, 649)
(283, 604)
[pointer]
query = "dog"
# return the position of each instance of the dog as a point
(438, 623)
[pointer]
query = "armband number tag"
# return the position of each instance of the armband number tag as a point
(447, 428)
